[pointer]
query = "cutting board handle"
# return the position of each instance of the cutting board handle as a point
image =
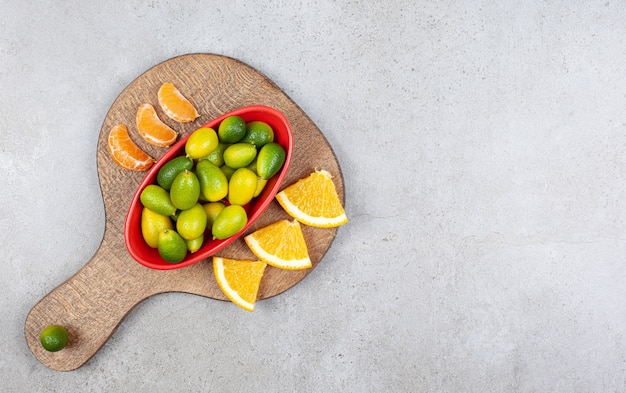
(90, 305)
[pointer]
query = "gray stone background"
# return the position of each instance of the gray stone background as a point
(483, 148)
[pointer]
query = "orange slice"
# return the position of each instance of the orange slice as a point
(152, 129)
(281, 245)
(239, 280)
(314, 201)
(125, 152)
(175, 105)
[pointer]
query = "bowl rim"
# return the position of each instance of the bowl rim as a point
(132, 222)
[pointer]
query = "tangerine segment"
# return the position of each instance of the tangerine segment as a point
(281, 245)
(125, 152)
(175, 105)
(239, 280)
(314, 201)
(152, 129)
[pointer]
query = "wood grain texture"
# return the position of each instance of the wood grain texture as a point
(93, 302)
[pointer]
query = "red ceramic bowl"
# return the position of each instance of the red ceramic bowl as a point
(150, 257)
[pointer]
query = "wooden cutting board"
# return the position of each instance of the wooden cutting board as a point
(93, 302)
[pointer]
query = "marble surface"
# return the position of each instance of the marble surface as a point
(483, 146)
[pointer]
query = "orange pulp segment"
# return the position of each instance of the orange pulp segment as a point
(281, 245)
(175, 105)
(239, 280)
(125, 152)
(152, 129)
(314, 201)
